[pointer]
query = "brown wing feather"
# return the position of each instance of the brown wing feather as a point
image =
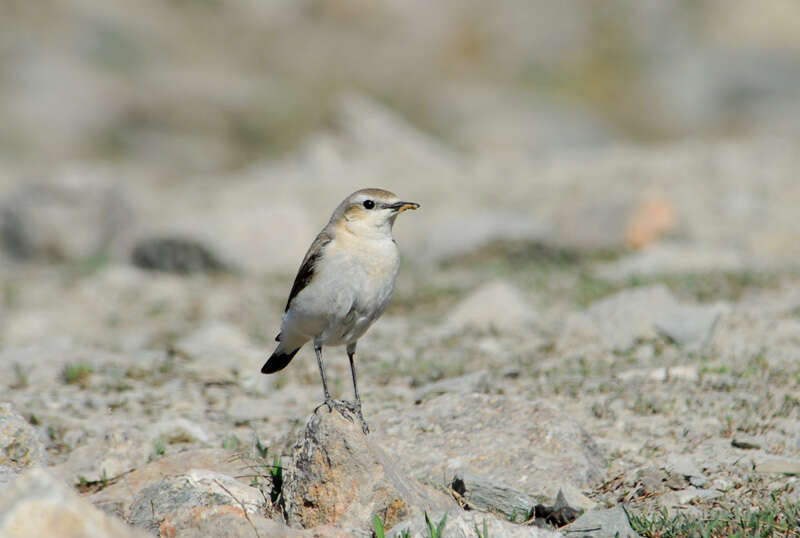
(306, 272)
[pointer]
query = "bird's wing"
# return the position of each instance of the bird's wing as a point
(306, 272)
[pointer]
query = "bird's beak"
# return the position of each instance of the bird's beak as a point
(402, 206)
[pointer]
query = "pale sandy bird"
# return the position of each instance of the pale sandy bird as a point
(344, 284)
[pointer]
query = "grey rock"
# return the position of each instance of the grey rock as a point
(746, 442)
(611, 523)
(118, 496)
(629, 315)
(532, 446)
(778, 465)
(460, 524)
(341, 477)
(464, 384)
(37, 504)
(684, 466)
(693, 494)
(690, 326)
(21, 444)
(114, 454)
(73, 216)
(219, 352)
(191, 505)
(176, 255)
(494, 305)
(642, 313)
(593, 225)
(671, 258)
(487, 495)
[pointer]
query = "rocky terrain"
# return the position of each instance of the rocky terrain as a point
(596, 327)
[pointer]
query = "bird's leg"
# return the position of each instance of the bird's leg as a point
(351, 351)
(328, 400)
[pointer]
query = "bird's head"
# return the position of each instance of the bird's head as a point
(370, 212)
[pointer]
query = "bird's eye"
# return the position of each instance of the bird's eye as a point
(369, 204)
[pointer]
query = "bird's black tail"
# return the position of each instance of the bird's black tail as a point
(278, 361)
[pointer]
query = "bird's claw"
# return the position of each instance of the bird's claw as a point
(348, 410)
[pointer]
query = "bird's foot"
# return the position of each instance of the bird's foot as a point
(349, 410)
(329, 402)
(356, 409)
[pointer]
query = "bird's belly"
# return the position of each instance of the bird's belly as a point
(346, 296)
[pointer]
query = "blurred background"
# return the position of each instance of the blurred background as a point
(196, 86)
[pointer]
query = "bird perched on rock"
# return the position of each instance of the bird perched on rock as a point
(344, 284)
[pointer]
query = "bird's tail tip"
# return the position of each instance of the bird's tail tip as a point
(278, 361)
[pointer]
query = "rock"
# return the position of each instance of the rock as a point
(37, 504)
(575, 498)
(487, 495)
(686, 373)
(746, 442)
(529, 445)
(73, 216)
(629, 315)
(778, 465)
(464, 384)
(692, 494)
(690, 326)
(21, 444)
(462, 232)
(118, 496)
(611, 523)
(179, 430)
(591, 225)
(673, 259)
(193, 504)
(341, 477)
(684, 466)
(460, 524)
(642, 313)
(651, 218)
(494, 305)
(176, 255)
(106, 458)
(218, 353)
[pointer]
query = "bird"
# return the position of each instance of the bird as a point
(344, 284)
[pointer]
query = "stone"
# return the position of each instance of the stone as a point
(36, 504)
(461, 524)
(488, 495)
(463, 384)
(21, 444)
(341, 477)
(106, 458)
(530, 446)
(219, 352)
(193, 503)
(118, 497)
(176, 255)
(690, 326)
(629, 315)
(693, 494)
(179, 430)
(684, 466)
(746, 442)
(651, 218)
(494, 305)
(670, 258)
(71, 216)
(610, 523)
(778, 465)
(643, 313)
